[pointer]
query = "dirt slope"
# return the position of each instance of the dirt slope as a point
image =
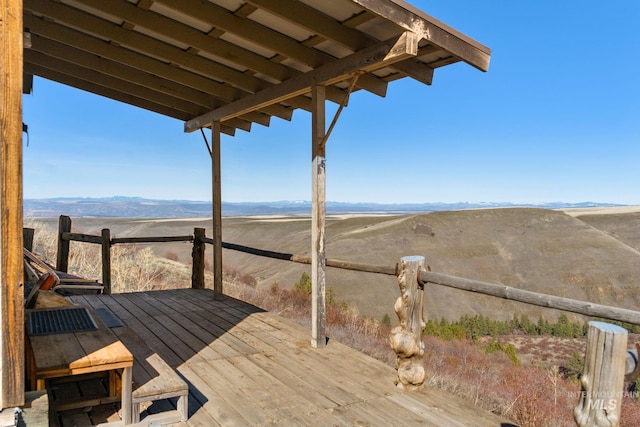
(623, 226)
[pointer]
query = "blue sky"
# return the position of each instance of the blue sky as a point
(556, 118)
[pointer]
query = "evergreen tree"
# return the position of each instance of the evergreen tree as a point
(562, 328)
(304, 284)
(544, 328)
(386, 320)
(575, 366)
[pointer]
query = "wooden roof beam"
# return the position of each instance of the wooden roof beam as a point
(120, 71)
(366, 60)
(429, 28)
(329, 28)
(190, 99)
(222, 19)
(193, 37)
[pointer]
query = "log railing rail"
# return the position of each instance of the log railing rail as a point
(608, 364)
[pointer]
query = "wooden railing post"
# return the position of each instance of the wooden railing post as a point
(62, 259)
(603, 376)
(106, 260)
(632, 367)
(27, 238)
(406, 338)
(197, 255)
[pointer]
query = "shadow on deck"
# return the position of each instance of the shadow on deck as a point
(247, 367)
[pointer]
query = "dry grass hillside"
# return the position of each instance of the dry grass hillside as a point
(576, 255)
(570, 254)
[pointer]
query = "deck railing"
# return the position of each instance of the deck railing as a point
(607, 360)
(65, 237)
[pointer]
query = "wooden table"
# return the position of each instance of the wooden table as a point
(76, 353)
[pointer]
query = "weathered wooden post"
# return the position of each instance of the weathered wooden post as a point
(216, 198)
(62, 260)
(27, 238)
(318, 218)
(12, 343)
(106, 261)
(406, 338)
(603, 376)
(197, 256)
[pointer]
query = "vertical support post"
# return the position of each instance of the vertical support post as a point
(318, 213)
(106, 260)
(603, 377)
(62, 259)
(11, 255)
(197, 256)
(216, 188)
(406, 338)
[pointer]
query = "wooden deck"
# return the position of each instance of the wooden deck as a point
(247, 367)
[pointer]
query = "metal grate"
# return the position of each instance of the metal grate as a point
(59, 321)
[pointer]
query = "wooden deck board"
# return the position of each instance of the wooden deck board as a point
(213, 336)
(248, 367)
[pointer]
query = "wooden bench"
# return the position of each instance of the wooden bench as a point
(155, 380)
(78, 352)
(150, 377)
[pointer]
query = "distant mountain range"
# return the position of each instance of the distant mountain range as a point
(136, 207)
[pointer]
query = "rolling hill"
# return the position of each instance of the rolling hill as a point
(576, 254)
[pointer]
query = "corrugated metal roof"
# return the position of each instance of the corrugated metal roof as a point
(187, 58)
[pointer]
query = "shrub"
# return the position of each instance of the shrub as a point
(574, 367)
(304, 287)
(507, 349)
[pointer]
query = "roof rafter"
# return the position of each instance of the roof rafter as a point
(331, 29)
(192, 99)
(144, 43)
(91, 87)
(120, 54)
(152, 66)
(120, 71)
(109, 82)
(369, 59)
(256, 33)
(193, 37)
